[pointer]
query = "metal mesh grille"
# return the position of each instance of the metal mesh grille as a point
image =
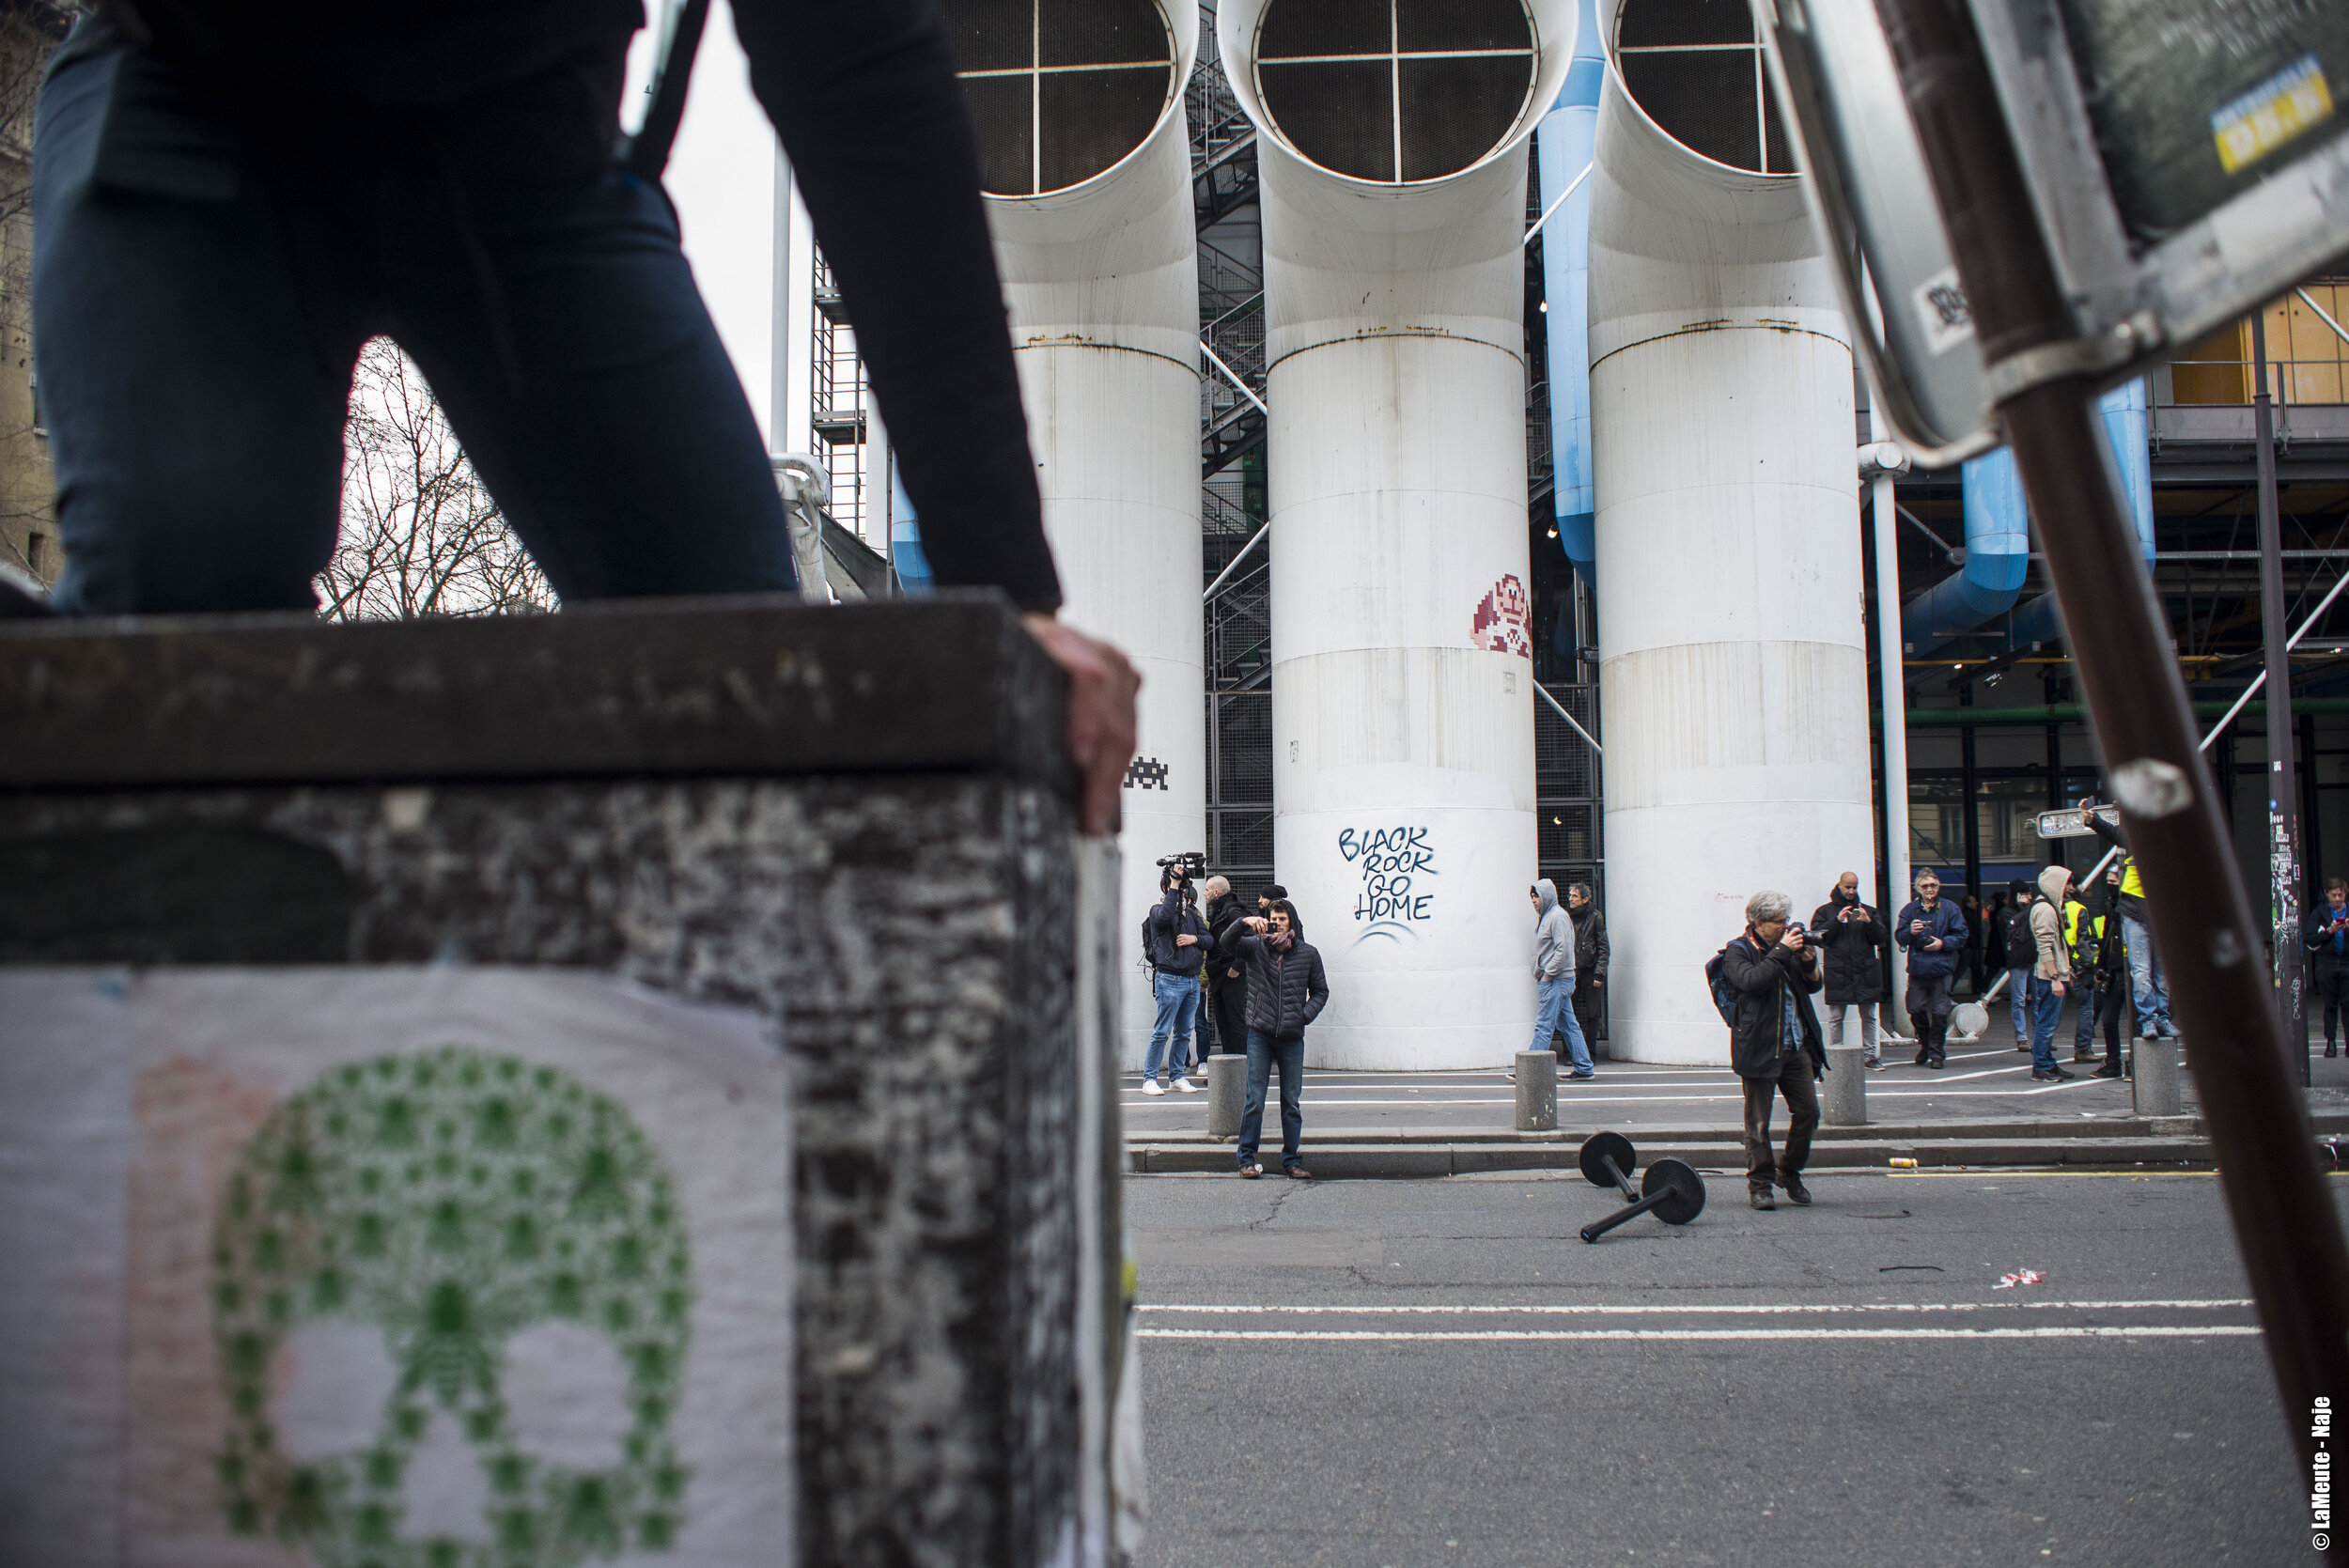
(1695, 66)
(1566, 789)
(1395, 91)
(1059, 89)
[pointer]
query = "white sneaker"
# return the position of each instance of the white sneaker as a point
(1152, 1086)
(1186, 1086)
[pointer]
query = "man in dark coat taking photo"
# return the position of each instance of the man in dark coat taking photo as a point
(1852, 939)
(1774, 1042)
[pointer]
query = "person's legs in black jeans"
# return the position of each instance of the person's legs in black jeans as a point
(1802, 1103)
(199, 303)
(1761, 1164)
(2336, 991)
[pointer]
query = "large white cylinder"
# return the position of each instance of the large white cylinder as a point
(1394, 172)
(1732, 666)
(1082, 138)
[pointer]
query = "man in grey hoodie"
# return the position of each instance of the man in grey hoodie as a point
(1553, 979)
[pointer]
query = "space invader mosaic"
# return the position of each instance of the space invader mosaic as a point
(1147, 773)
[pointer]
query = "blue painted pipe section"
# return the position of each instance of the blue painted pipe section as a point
(1998, 558)
(1998, 540)
(1564, 139)
(905, 539)
(2125, 429)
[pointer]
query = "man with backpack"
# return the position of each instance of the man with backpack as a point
(1176, 938)
(1763, 982)
(1934, 932)
(2022, 957)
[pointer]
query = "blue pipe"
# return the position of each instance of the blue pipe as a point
(2125, 429)
(1564, 139)
(1998, 558)
(1998, 540)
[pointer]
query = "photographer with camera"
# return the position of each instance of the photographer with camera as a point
(1176, 938)
(1768, 975)
(1935, 933)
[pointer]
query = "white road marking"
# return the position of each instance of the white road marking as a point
(1575, 1308)
(2137, 1331)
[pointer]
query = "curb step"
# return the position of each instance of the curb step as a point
(1726, 1160)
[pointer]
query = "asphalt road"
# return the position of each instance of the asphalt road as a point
(1400, 1373)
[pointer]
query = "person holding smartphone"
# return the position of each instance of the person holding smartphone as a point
(2328, 956)
(1934, 932)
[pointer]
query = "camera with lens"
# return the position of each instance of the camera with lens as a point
(1182, 870)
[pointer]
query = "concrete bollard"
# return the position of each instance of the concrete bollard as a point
(2158, 1069)
(1844, 1097)
(1537, 1091)
(1227, 1095)
(663, 965)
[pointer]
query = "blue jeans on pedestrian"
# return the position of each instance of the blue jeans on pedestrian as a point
(1263, 1053)
(2148, 987)
(202, 290)
(1554, 1011)
(1177, 1021)
(2045, 1008)
(2019, 1002)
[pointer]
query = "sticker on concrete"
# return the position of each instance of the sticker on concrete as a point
(483, 1269)
(1503, 620)
(1147, 773)
(451, 1302)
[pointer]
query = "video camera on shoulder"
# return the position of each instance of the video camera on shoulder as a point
(1182, 870)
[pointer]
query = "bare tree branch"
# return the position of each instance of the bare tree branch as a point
(420, 533)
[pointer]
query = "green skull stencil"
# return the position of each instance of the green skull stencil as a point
(450, 1200)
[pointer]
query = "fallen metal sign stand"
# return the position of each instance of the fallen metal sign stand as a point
(2284, 1218)
(1672, 1192)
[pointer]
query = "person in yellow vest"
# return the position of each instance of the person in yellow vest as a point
(2099, 971)
(2148, 985)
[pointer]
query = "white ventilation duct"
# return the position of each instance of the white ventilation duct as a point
(1086, 161)
(1732, 666)
(1392, 151)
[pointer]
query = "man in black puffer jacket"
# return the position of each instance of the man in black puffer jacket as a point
(1287, 990)
(1852, 937)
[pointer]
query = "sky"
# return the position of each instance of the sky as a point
(721, 176)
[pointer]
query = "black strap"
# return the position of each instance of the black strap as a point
(647, 153)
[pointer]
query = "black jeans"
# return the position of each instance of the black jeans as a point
(1228, 1002)
(1929, 1005)
(205, 273)
(1802, 1100)
(2334, 988)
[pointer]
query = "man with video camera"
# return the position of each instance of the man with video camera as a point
(1177, 939)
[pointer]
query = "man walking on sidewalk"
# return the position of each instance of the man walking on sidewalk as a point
(2051, 975)
(1935, 933)
(1592, 954)
(1553, 980)
(2022, 957)
(1774, 1042)
(1852, 939)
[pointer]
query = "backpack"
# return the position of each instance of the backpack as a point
(2022, 948)
(1724, 994)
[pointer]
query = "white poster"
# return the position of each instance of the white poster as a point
(429, 1266)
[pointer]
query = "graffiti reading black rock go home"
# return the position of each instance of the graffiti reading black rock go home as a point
(1390, 860)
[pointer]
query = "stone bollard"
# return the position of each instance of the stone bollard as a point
(1537, 1091)
(622, 989)
(1227, 1095)
(2157, 1068)
(1843, 1095)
